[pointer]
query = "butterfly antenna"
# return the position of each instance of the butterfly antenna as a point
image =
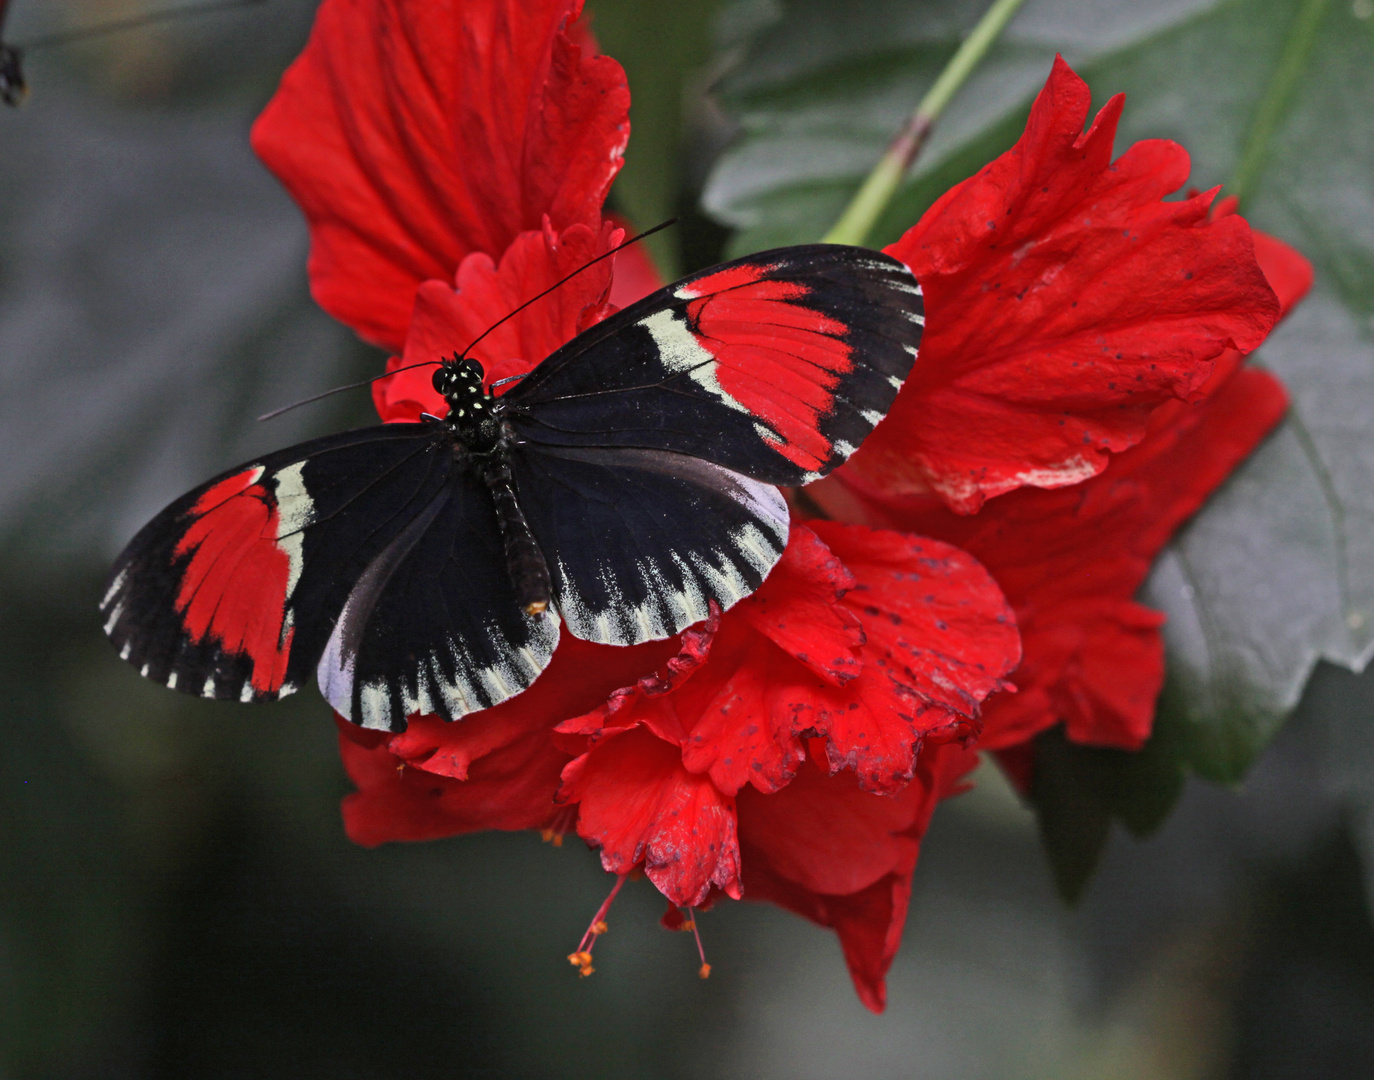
(341, 389)
(132, 22)
(488, 330)
(590, 262)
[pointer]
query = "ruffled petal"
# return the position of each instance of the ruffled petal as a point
(844, 858)
(938, 638)
(641, 806)
(799, 609)
(447, 319)
(1065, 301)
(941, 638)
(413, 134)
(511, 788)
(1071, 561)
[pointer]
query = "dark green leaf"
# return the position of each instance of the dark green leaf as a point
(819, 93)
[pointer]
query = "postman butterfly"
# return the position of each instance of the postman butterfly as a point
(615, 493)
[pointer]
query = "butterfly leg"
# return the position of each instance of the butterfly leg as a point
(529, 573)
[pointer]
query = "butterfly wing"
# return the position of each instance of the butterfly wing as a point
(639, 541)
(775, 366)
(235, 590)
(230, 590)
(433, 624)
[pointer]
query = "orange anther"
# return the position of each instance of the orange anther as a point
(549, 836)
(580, 959)
(599, 927)
(705, 971)
(688, 924)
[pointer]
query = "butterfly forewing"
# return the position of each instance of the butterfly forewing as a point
(227, 591)
(775, 366)
(639, 541)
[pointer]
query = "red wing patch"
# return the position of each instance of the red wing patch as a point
(234, 588)
(777, 358)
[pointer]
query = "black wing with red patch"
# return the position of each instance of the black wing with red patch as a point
(209, 596)
(775, 366)
(236, 590)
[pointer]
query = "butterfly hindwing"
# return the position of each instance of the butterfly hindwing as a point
(433, 625)
(775, 366)
(639, 541)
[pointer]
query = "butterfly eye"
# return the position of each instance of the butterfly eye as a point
(440, 380)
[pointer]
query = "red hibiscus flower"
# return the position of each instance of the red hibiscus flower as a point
(452, 161)
(1072, 559)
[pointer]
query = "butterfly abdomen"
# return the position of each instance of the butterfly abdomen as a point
(529, 573)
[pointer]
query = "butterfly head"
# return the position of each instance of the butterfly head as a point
(471, 408)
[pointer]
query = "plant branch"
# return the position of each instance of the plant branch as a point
(882, 183)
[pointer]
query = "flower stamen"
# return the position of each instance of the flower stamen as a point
(582, 958)
(704, 971)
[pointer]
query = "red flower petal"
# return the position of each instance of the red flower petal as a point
(844, 858)
(798, 609)
(1065, 301)
(938, 638)
(639, 804)
(448, 319)
(512, 788)
(413, 134)
(1071, 561)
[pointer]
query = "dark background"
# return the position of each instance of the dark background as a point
(176, 895)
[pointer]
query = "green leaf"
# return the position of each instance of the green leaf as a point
(1277, 571)
(819, 92)
(1078, 791)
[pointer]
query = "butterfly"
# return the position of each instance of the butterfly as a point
(619, 490)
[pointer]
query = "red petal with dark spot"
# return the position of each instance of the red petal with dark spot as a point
(1065, 301)
(637, 802)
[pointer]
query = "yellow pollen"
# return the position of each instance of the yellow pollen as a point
(536, 608)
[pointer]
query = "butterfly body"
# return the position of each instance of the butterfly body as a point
(617, 492)
(484, 440)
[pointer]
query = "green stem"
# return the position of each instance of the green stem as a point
(1302, 36)
(859, 217)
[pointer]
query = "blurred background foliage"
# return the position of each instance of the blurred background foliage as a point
(176, 895)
